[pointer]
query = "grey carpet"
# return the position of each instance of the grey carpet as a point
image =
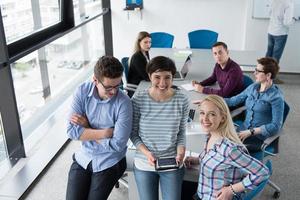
(286, 165)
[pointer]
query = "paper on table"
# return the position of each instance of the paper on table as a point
(183, 53)
(187, 86)
(188, 52)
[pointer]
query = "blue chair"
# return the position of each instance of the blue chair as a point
(130, 88)
(270, 147)
(124, 62)
(238, 114)
(271, 144)
(202, 39)
(256, 191)
(247, 81)
(161, 40)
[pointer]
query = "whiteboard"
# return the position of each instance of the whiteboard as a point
(261, 9)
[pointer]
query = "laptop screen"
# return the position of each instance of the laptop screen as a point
(186, 67)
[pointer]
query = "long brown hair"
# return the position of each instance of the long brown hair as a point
(140, 37)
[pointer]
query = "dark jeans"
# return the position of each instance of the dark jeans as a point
(83, 184)
(196, 197)
(253, 144)
(188, 190)
(276, 46)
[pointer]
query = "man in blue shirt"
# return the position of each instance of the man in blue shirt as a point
(101, 118)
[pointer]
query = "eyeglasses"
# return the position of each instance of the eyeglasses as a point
(109, 88)
(258, 71)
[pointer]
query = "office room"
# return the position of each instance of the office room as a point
(243, 26)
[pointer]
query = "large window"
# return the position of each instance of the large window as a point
(48, 47)
(22, 17)
(85, 9)
(44, 78)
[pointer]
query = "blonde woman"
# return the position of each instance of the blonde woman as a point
(226, 169)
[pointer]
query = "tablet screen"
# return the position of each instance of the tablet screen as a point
(167, 161)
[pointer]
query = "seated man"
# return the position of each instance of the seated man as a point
(101, 118)
(227, 73)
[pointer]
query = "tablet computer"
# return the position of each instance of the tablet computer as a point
(164, 163)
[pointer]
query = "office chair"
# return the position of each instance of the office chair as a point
(247, 81)
(237, 112)
(256, 191)
(130, 88)
(270, 147)
(124, 62)
(202, 39)
(161, 40)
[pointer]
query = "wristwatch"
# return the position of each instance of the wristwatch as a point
(252, 131)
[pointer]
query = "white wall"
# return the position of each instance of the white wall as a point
(232, 19)
(256, 39)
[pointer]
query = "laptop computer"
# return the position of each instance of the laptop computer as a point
(180, 75)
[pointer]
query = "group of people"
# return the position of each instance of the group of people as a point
(104, 118)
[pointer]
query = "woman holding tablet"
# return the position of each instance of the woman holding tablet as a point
(159, 122)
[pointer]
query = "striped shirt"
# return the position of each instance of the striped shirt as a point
(160, 126)
(227, 163)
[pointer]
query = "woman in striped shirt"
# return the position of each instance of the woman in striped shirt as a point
(226, 170)
(159, 122)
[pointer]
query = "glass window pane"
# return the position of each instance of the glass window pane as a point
(22, 17)
(3, 151)
(86, 8)
(61, 65)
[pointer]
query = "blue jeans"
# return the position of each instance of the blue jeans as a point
(276, 46)
(170, 183)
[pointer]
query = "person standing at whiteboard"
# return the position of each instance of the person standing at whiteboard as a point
(282, 16)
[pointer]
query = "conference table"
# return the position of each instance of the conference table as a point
(201, 67)
(195, 140)
(203, 62)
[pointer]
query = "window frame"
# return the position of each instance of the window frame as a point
(11, 52)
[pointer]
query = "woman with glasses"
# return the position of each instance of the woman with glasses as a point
(265, 104)
(159, 122)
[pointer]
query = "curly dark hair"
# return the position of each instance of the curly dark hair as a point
(161, 63)
(109, 67)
